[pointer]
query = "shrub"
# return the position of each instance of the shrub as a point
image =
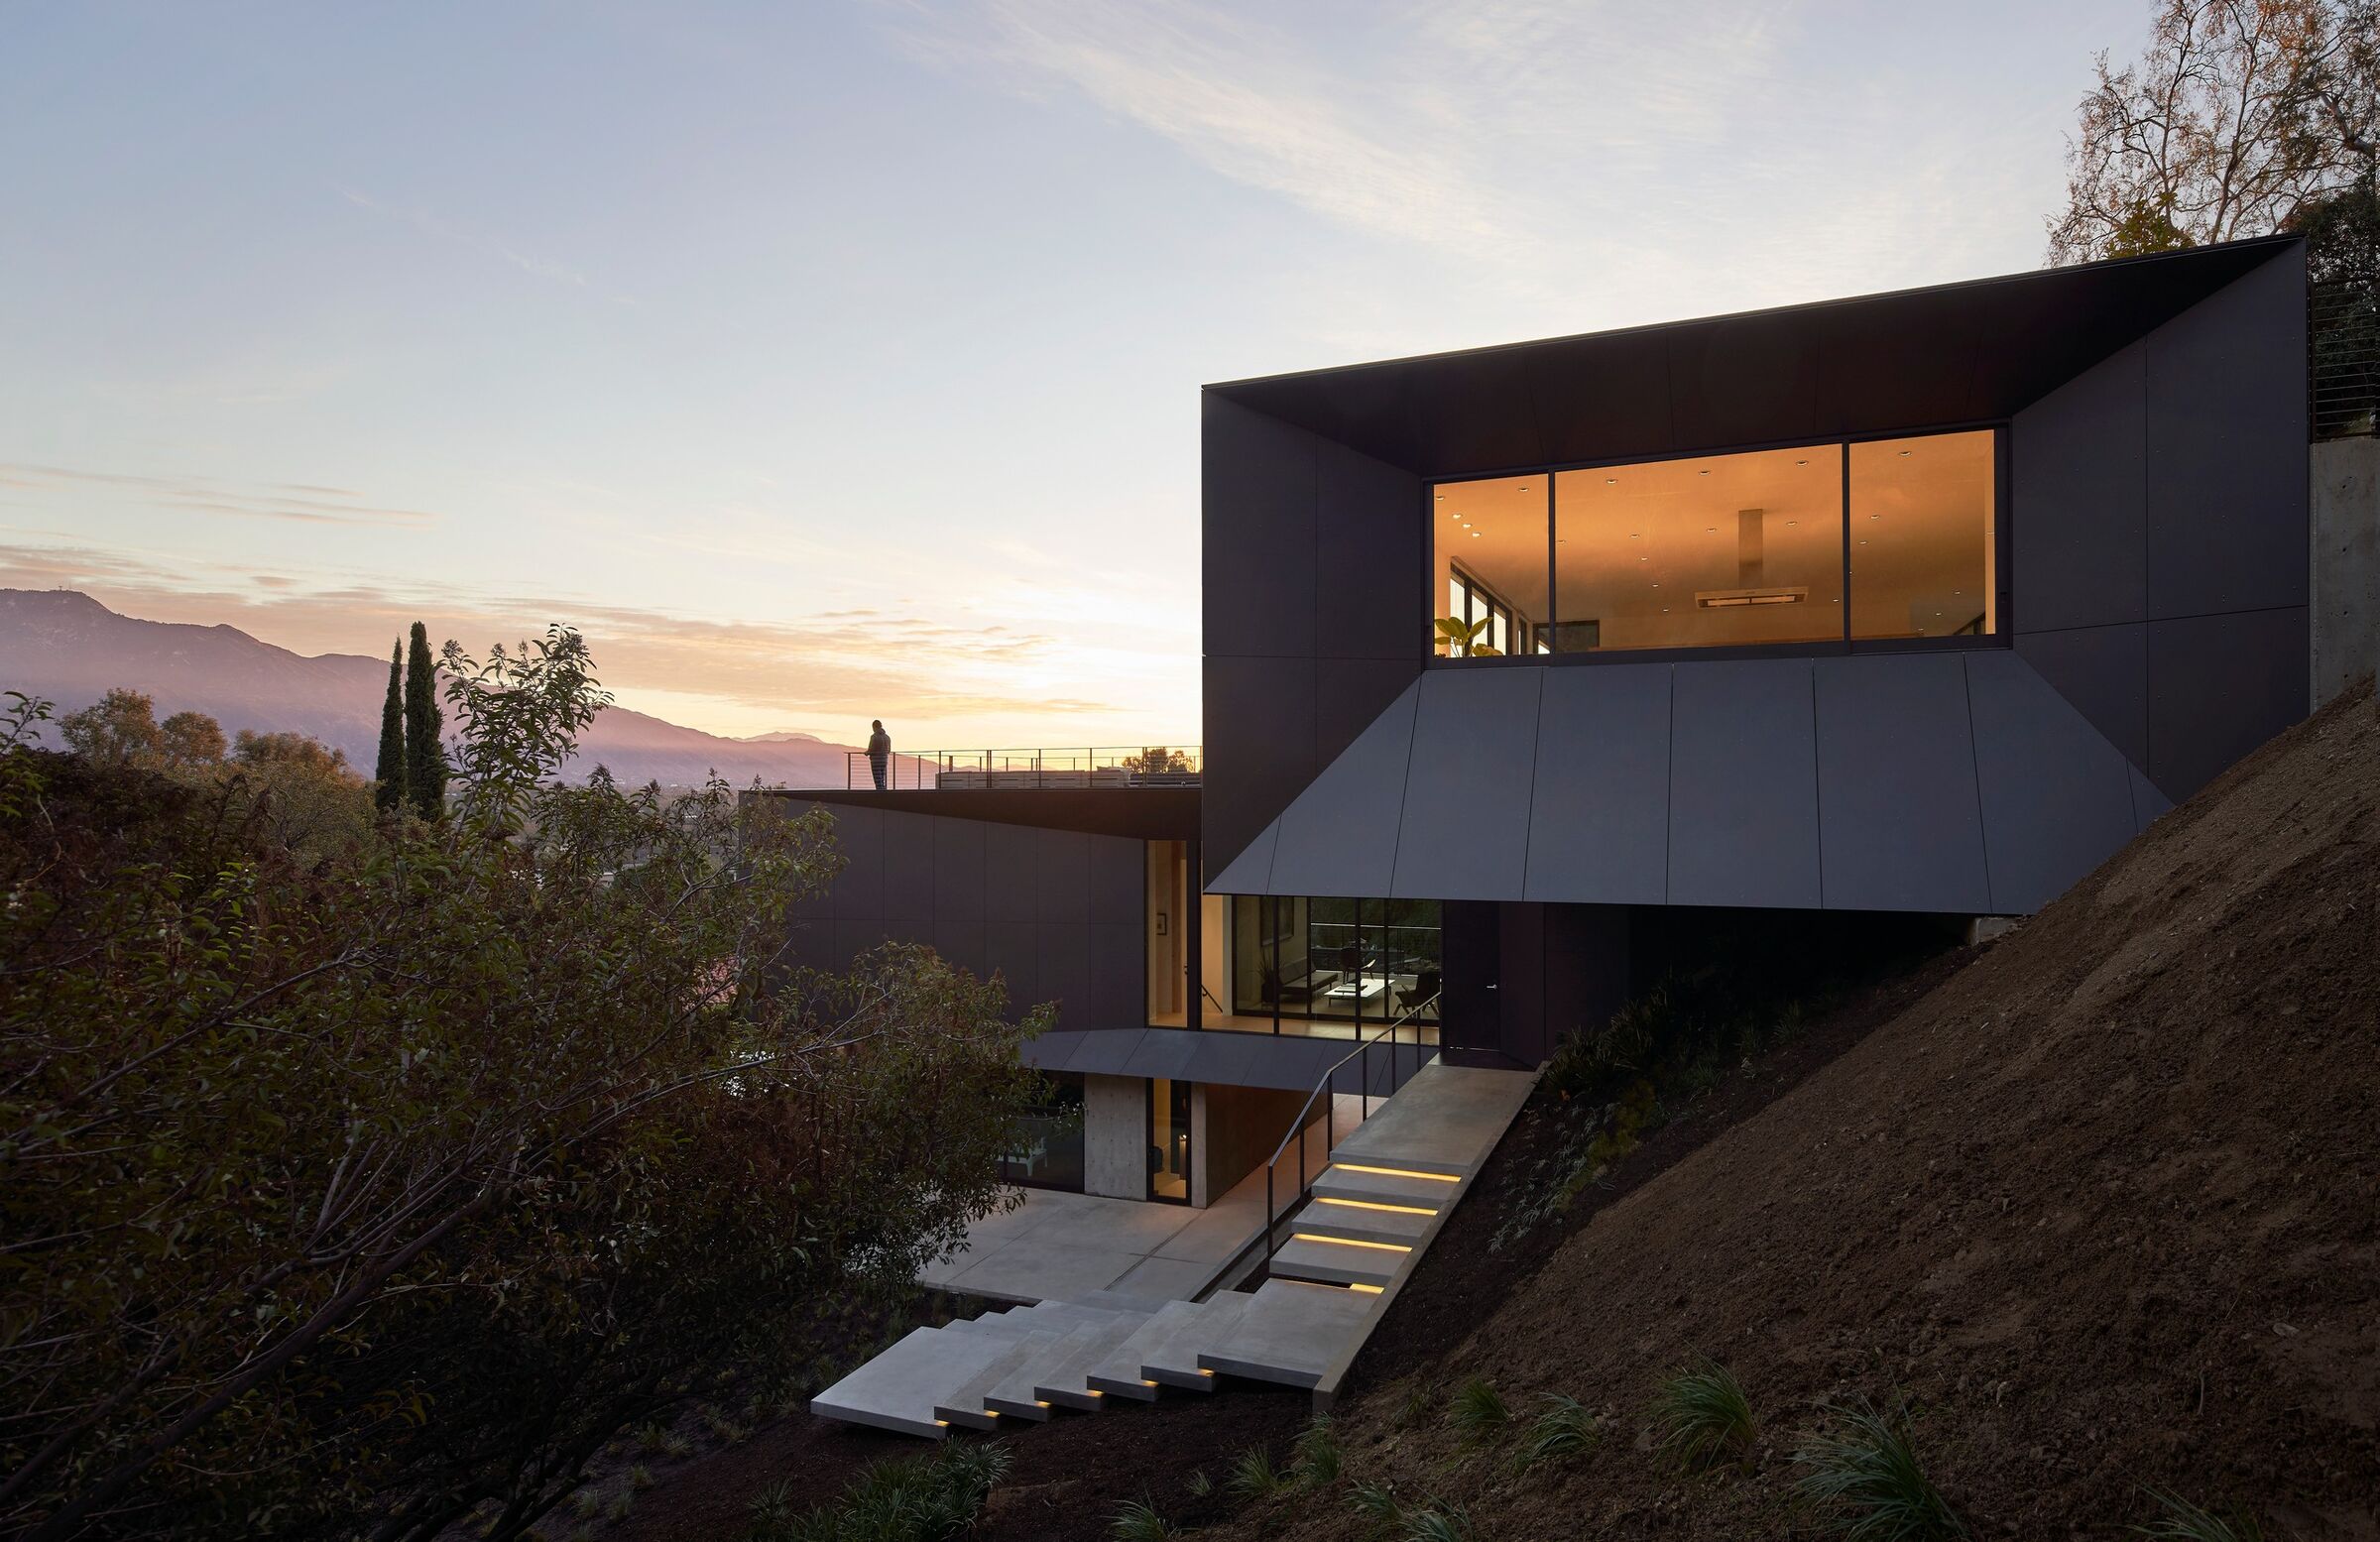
(1316, 1451)
(923, 1498)
(2183, 1521)
(1439, 1522)
(1138, 1521)
(1376, 1502)
(1864, 1472)
(1478, 1411)
(1703, 1414)
(1199, 1483)
(1567, 1427)
(1255, 1476)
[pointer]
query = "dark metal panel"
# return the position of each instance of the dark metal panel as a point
(1013, 949)
(2147, 803)
(1339, 836)
(1473, 410)
(910, 866)
(1249, 873)
(1368, 557)
(1066, 971)
(1012, 872)
(1743, 380)
(1464, 829)
(1119, 976)
(810, 945)
(960, 943)
(2103, 672)
(1259, 745)
(959, 846)
(1899, 827)
(1119, 878)
(1258, 500)
(1619, 407)
(1743, 786)
(1910, 363)
(1061, 876)
(2057, 795)
(1051, 1051)
(2227, 447)
(2079, 532)
(1163, 1054)
(1136, 813)
(1599, 819)
(860, 886)
(856, 935)
(1350, 694)
(2218, 687)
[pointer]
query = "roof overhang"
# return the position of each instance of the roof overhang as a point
(1141, 814)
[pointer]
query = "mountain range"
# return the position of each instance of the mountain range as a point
(67, 647)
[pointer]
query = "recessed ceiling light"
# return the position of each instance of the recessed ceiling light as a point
(1706, 471)
(1793, 521)
(1607, 481)
(1801, 463)
(1475, 534)
(1710, 530)
(1863, 540)
(1632, 534)
(1525, 489)
(1876, 515)
(1904, 454)
(1442, 497)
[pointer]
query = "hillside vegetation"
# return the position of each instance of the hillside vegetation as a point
(2095, 1221)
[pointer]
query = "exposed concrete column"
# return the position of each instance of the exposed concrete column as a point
(2344, 584)
(1115, 1136)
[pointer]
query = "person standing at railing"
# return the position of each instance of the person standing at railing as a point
(880, 753)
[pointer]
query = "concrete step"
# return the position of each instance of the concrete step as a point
(1065, 1379)
(1430, 1191)
(1018, 1393)
(1173, 1359)
(1336, 1263)
(1364, 1221)
(898, 1389)
(1446, 1120)
(1122, 1375)
(965, 1404)
(1289, 1332)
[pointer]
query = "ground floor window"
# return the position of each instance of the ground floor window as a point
(1170, 1140)
(1048, 1149)
(1354, 960)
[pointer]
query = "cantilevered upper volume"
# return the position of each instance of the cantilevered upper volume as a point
(1922, 601)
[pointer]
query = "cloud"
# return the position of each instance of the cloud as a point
(206, 495)
(432, 225)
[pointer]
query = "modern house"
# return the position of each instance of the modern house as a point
(1920, 603)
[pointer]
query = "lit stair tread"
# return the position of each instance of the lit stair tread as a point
(1382, 1188)
(1118, 1372)
(965, 1404)
(1362, 1224)
(1289, 1332)
(1019, 1393)
(1173, 1359)
(1336, 1263)
(1446, 1120)
(1065, 1380)
(898, 1388)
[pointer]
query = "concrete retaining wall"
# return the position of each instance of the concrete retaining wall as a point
(1115, 1136)
(2345, 645)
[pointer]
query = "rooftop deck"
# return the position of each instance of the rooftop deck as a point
(940, 771)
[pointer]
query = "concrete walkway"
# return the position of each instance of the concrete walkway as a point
(1058, 1247)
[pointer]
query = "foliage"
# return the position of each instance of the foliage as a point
(458, 1152)
(1702, 1414)
(1458, 638)
(1438, 1521)
(1864, 1471)
(1478, 1411)
(425, 754)
(119, 729)
(307, 802)
(1566, 1428)
(1158, 759)
(388, 770)
(2240, 113)
(2183, 1521)
(1316, 1453)
(190, 738)
(1138, 1521)
(925, 1499)
(1255, 1476)
(1376, 1502)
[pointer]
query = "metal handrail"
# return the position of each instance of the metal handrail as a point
(1322, 1090)
(1141, 766)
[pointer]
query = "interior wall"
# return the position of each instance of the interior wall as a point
(1115, 1136)
(1168, 960)
(1233, 1131)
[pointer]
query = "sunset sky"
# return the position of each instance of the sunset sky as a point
(834, 361)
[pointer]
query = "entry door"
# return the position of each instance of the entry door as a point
(1471, 1015)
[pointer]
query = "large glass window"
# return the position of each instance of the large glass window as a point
(1718, 552)
(1168, 1139)
(1048, 1149)
(1722, 550)
(1488, 549)
(1357, 961)
(1924, 537)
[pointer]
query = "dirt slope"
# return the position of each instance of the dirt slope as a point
(2104, 1208)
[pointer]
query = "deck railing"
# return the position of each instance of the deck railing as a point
(928, 770)
(1327, 1095)
(2342, 364)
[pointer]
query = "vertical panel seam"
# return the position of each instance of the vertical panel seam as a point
(1404, 789)
(1669, 806)
(1974, 763)
(1818, 801)
(1528, 806)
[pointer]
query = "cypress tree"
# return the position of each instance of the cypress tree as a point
(389, 775)
(424, 758)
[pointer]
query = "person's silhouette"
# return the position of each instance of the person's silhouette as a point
(880, 753)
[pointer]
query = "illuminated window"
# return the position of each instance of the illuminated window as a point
(1923, 529)
(1489, 550)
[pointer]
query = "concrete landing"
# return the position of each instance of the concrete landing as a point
(1289, 1332)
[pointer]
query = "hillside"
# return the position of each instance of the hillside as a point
(2103, 1208)
(71, 648)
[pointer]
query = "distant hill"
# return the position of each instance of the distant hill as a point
(70, 648)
